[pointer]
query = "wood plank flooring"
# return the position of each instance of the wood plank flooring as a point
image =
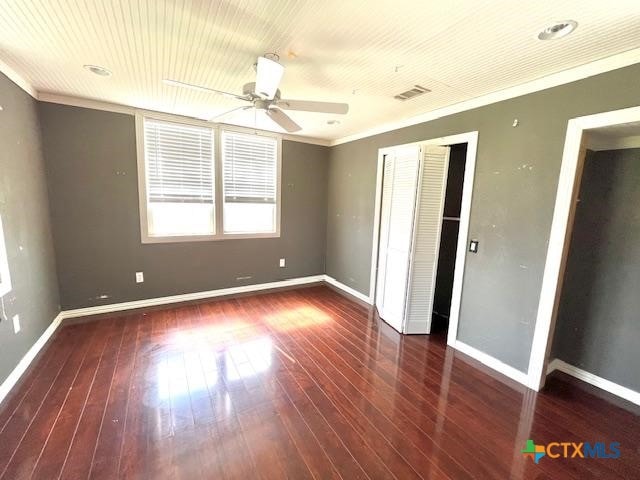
(297, 384)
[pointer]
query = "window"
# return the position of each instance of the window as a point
(5, 277)
(199, 182)
(250, 169)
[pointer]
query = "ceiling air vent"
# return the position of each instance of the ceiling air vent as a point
(414, 92)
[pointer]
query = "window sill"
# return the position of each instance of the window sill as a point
(206, 238)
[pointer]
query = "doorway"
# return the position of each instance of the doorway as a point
(594, 219)
(429, 248)
(449, 239)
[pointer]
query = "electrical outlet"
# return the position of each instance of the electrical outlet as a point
(16, 323)
(139, 277)
(282, 263)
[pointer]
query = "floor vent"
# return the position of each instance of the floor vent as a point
(414, 92)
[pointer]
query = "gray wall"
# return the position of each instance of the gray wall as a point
(92, 175)
(516, 178)
(598, 327)
(25, 215)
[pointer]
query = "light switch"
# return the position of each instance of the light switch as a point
(473, 246)
(139, 277)
(282, 263)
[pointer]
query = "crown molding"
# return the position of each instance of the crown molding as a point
(596, 67)
(128, 110)
(18, 79)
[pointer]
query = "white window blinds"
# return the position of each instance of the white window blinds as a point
(179, 162)
(249, 168)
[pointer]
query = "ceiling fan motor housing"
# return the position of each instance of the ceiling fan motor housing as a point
(249, 89)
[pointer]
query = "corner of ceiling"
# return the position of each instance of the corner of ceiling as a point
(607, 64)
(580, 72)
(18, 79)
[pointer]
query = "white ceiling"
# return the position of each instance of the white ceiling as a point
(333, 50)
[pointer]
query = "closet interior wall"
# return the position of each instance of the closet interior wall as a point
(449, 238)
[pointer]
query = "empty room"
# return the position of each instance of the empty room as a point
(319, 239)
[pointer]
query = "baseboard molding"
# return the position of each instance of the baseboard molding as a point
(602, 383)
(494, 363)
(347, 289)
(188, 297)
(24, 363)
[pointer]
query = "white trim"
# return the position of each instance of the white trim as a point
(220, 185)
(493, 363)
(602, 383)
(471, 139)
(596, 67)
(590, 69)
(463, 233)
(129, 110)
(24, 363)
(557, 249)
(89, 103)
(373, 275)
(187, 297)
(216, 132)
(323, 142)
(18, 79)
(347, 289)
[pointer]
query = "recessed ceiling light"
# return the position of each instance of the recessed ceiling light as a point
(98, 70)
(333, 122)
(558, 30)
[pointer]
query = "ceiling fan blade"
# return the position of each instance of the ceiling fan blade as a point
(309, 106)
(268, 76)
(283, 120)
(176, 83)
(224, 114)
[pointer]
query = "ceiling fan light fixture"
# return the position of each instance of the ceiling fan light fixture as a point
(558, 30)
(98, 70)
(269, 74)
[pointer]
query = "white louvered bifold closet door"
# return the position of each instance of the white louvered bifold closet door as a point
(426, 243)
(396, 232)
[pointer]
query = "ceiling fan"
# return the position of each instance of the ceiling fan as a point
(264, 94)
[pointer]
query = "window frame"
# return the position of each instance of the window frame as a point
(217, 129)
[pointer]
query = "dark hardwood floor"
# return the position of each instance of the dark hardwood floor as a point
(296, 384)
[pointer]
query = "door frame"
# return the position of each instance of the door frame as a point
(559, 236)
(471, 139)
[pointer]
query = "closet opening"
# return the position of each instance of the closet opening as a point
(449, 239)
(423, 204)
(596, 330)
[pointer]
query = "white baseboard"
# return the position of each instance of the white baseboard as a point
(596, 381)
(24, 363)
(187, 297)
(347, 289)
(495, 364)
